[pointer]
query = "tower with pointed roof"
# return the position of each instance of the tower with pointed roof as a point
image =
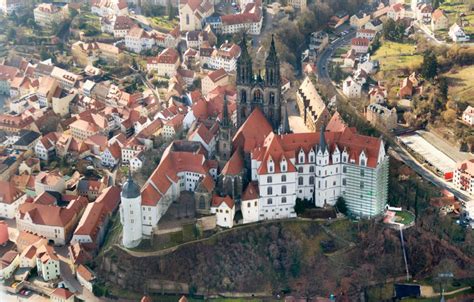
(131, 213)
(255, 90)
(224, 146)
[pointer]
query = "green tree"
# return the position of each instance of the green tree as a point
(341, 205)
(429, 68)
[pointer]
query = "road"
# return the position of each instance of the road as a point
(400, 154)
(325, 56)
(397, 151)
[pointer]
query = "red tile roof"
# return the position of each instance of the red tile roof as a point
(251, 192)
(62, 293)
(218, 200)
(9, 193)
(235, 165)
(253, 132)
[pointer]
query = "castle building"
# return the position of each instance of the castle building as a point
(256, 91)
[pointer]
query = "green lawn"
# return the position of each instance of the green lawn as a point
(404, 217)
(462, 84)
(394, 56)
(454, 7)
(163, 22)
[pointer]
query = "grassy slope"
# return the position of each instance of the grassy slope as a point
(394, 56)
(462, 84)
(453, 8)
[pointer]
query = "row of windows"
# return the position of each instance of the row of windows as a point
(270, 201)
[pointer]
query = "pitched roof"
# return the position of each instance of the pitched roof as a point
(235, 165)
(62, 293)
(251, 192)
(218, 200)
(8, 192)
(253, 131)
(85, 273)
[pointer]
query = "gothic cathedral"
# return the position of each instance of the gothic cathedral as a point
(255, 91)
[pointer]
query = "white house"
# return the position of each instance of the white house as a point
(165, 64)
(224, 208)
(109, 7)
(10, 199)
(138, 40)
(111, 156)
(225, 57)
(47, 263)
(45, 148)
(351, 88)
(457, 34)
(85, 277)
(468, 116)
(250, 203)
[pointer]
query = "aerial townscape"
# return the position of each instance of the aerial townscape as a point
(236, 150)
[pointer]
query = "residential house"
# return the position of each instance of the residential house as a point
(359, 20)
(318, 41)
(172, 127)
(45, 148)
(138, 40)
(423, 12)
(249, 20)
(366, 33)
(109, 7)
(409, 86)
(396, 11)
(224, 208)
(464, 176)
(457, 34)
(49, 181)
(61, 295)
(52, 222)
(250, 203)
(165, 64)
(468, 116)
(360, 45)
(48, 14)
(10, 199)
(374, 24)
(214, 79)
(338, 19)
(116, 25)
(225, 57)
(378, 94)
(439, 20)
(7, 75)
(47, 263)
(111, 156)
(351, 88)
(85, 54)
(85, 277)
(67, 80)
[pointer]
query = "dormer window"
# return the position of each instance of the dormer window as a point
(271, 166)
(283, 165)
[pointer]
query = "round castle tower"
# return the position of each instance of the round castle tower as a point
(131, 213)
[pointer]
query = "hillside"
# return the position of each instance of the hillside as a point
(304, 257)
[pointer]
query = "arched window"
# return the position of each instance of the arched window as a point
(311, 180)
(311, 169)
(269, 201)
(257, 96)
(283, 200)
(243, 96)
(269, 179)
(243, 113)
(283, 189)
(187, 19)
(300, 180)
(269, 191)
(300, 169)
(283, 178)
(202, 202)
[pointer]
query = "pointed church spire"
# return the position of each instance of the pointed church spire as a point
(272, 54)
(225, 114)
(244, 63)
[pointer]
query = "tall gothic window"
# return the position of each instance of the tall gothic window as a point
(257, 96)
(202, 202)
(272, 98)
(187, 19)
(243, 96)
